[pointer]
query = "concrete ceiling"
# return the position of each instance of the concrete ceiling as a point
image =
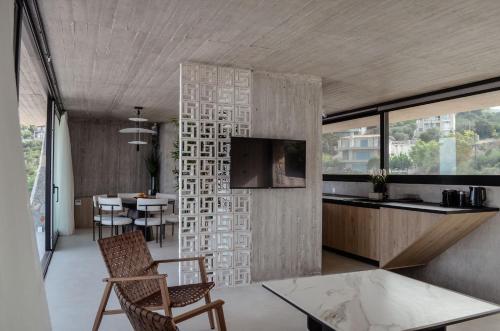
(115, 54)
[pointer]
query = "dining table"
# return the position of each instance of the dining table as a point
(133, 213)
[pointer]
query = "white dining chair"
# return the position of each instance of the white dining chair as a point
(126, 196)
(172, 217)
(153, 215)
(112, 206)
(96, 219)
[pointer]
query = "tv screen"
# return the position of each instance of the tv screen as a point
(267, 163)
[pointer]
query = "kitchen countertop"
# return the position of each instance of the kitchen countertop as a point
(427, 207)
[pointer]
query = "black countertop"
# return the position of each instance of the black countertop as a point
(427, 207)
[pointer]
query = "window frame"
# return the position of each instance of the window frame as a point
(383, 110)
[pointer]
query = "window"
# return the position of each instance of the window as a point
(351, 147)
(454, 137)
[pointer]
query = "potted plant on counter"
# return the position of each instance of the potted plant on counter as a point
(378, 178)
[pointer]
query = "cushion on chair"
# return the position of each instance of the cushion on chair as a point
(117, 220)
(152, 221)
(173, 218)
(97, 218)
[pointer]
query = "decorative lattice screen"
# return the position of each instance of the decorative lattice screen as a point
(214, 220)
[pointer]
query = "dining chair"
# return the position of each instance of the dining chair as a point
(130, 264)
(170, 217)
(143, 319)
(96, 218)
(153, 215)
(112, 206)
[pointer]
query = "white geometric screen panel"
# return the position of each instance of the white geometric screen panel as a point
(215, 104)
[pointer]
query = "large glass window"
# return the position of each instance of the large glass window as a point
(351, 147)
(453, 137)
(33, 121)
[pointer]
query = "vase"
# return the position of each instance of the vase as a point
(379, 188)
(154, 185)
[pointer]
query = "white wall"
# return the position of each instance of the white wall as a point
(470, 266)
(23, 305)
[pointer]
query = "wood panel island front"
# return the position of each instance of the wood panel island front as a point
(396, 234)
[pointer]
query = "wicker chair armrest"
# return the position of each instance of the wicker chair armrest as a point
(134, 278)
(183, 259)
(217, 304)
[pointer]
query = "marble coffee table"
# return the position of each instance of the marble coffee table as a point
(377, 300)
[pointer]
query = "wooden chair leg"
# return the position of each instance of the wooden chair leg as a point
(102, 306)
(165, 297)
(210, 312)
(173, 227)
(221, 322)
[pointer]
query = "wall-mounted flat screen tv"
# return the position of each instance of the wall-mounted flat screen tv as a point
(267, 163)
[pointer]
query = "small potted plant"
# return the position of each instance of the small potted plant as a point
(378, 178)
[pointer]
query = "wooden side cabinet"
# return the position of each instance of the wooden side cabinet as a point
(351, 229)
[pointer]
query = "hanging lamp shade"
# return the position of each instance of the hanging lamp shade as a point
(137, 130)
(138, 119)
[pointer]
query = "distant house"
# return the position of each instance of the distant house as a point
(357, 149)
(445, 124)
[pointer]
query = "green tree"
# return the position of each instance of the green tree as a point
(425, 156)
(404, 129)
(329, 142)
(464, 146)
(429, 135)
(484, 129)
(400, 161)
(373, 163)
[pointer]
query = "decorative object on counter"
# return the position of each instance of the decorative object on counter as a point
(477, 196)
(378, 178)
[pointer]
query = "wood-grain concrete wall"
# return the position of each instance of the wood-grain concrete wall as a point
(103, 161)
(286, 223)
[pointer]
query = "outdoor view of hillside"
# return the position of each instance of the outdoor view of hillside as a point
(463, 143)
(32, 139)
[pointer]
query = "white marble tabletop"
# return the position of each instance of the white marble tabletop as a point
(378, 300)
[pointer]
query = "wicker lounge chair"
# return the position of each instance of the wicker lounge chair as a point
(131, 265)
(145, 320)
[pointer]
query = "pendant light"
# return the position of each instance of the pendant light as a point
(138, 130)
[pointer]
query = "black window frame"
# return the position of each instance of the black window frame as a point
(383, 110)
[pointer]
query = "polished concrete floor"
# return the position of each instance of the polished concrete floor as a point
(74, 287)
